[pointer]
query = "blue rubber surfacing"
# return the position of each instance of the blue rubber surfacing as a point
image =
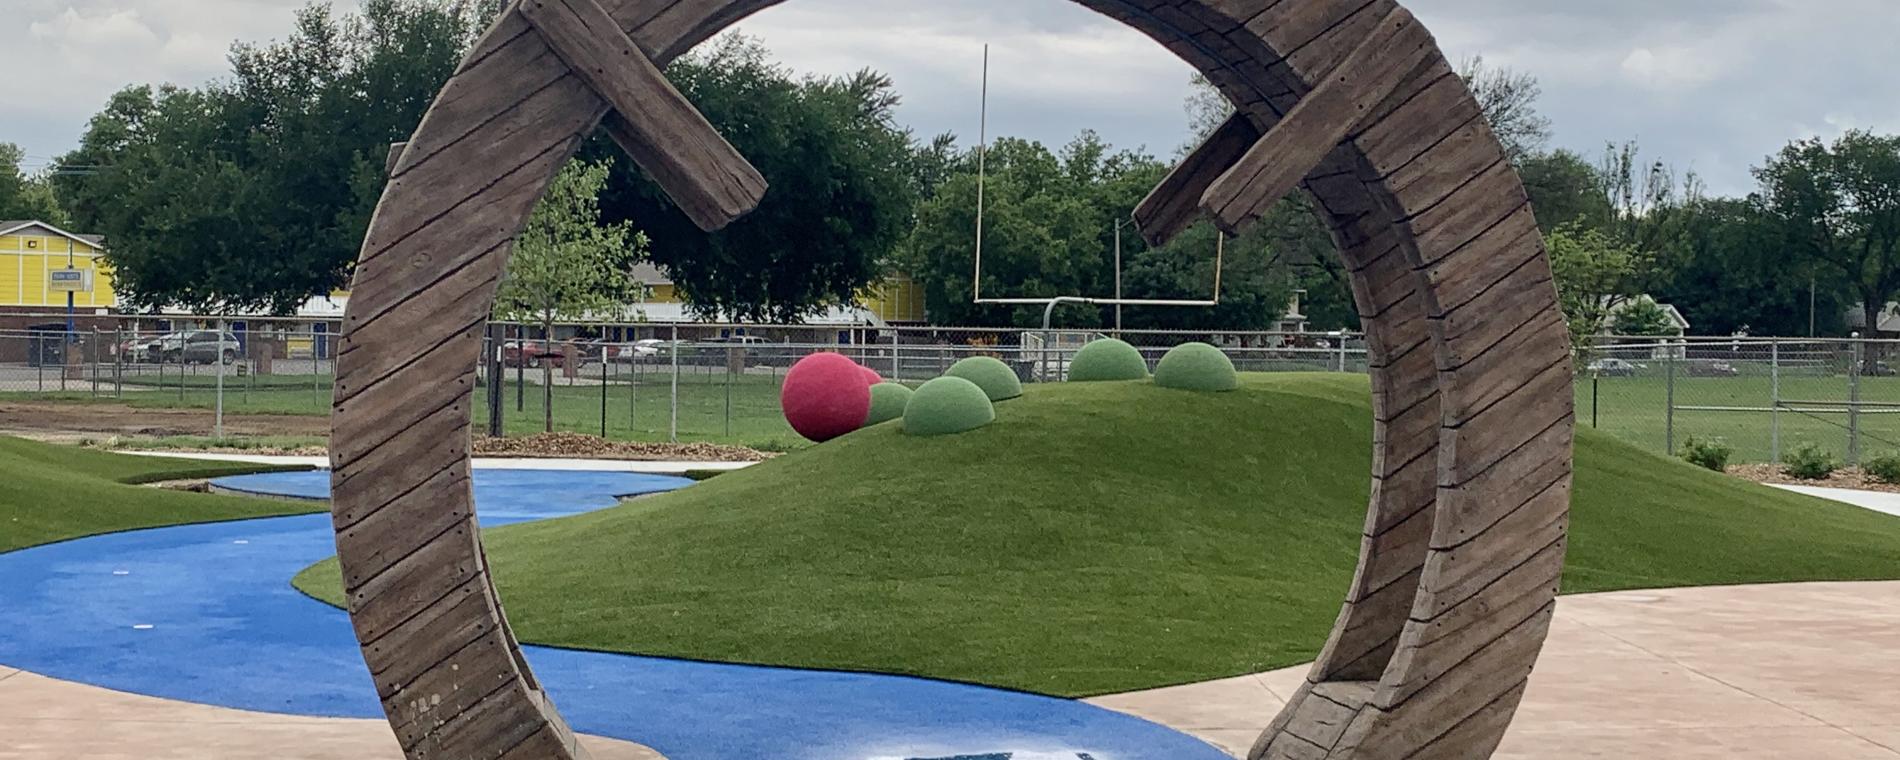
(206, 614)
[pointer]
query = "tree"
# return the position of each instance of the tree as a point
(1508, 99)
(24, 197)
(1836, 207)
(842, 176)
(567, 265)
(254, 193)
(1645, 317)
(1564, 189)
(1049, 227)
(1596, 275)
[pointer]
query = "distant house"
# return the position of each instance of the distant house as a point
(1678, 324)
(1889, 321)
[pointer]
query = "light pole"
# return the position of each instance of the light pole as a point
(1118, 273)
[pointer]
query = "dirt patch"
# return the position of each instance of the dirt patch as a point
(1848, 477)
(123, 420)
(577, 446)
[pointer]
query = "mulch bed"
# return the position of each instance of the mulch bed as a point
(1848, 477)
(578, 446)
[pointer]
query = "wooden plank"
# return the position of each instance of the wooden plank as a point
(442, 564)
(428, 639)
(1497, 314)
(1488, 199)
(488, 729)
(395, 154)
(404, 525)
(1275, 164)
(470, 675)
(1502, 429)
(1478, 735)
(703, 174)
(1468, 272)
(1175, 204)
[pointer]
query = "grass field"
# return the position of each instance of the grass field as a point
(1635, 409)
(1097, 538)
(54, 493)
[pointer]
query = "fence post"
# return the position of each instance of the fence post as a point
(217, 424)
(1594, 398)
(118, 362)
(1669, 396)
(1774, 393)
(673, 428)
(729, 369)
(497, 378)
(603, 382)
(1853, 403)
(92, 378)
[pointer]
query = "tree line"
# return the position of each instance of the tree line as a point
(254, 192)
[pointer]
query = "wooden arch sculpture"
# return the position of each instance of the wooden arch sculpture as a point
(1350, 99)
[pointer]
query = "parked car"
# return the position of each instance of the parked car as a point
(203, 347)
(1876, 369)
(1612, 368)
(532, 353)
(149, 349)
(1708, 368)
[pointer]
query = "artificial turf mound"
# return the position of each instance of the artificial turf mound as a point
(55, 493)
(1105, 361)
(1098, 537)
(990, 374)
(1196, 367)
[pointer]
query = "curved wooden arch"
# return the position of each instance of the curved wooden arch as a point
(1349, 99)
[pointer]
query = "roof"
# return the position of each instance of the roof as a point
(15, 225)
(648, 274)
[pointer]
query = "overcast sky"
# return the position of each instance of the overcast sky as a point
(1708, 85)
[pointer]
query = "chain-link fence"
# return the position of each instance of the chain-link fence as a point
(697, 382)
(703, 382)
(1761, 397)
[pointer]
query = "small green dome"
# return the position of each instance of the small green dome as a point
(1106, 361)
(947, 405)
(996, 379)
(887, 403)
(1196, 367)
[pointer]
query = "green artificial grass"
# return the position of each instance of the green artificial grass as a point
(947, 406)
(54, 493)
(1196, 367)
(1096, 538)
(888, 401)
(991, 374)
(1107, 361)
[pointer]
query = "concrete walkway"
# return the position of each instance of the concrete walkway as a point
(1878, 501)
(43, 719)
(1740, 673)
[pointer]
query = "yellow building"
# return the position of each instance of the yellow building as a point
(36, 258)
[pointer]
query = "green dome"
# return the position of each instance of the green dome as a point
(996, 379)
(1107, 361)
(947, 405)
(1196, 367)
(887, 403)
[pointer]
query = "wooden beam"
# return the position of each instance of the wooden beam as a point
(395, 154)
(1322, 120)
(1175, 203)
(703, 174)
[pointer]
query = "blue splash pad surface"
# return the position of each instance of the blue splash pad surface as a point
(206, 614)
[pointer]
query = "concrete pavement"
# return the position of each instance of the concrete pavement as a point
(45, 719)
(1738, 673)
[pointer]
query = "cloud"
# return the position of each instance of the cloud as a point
(1709, 85)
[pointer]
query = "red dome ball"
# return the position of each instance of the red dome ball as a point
(871, 377)
(826, 396)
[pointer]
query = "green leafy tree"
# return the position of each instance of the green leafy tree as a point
(842, 177)
(255, 192)
(568, 265)
(1596, 275)
(1564, 189)
(24, 197)
(1643, 316)
(1836, 208)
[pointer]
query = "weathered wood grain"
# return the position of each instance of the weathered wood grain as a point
(1336, 107)
(1175, 204)
(662, 132)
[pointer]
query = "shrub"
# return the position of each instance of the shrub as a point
(1710, 453)
(1809, 462)
(1884, 469)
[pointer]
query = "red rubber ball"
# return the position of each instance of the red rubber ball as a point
(825, 396)
(871, 377)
